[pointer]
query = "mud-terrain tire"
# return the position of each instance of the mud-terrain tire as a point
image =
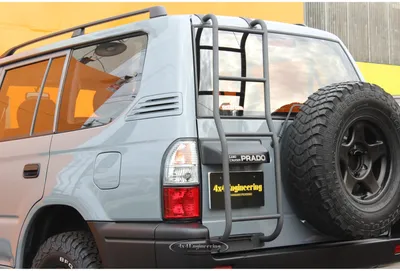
(68, 250)
(345, 132)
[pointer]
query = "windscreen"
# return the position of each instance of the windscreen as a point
(298, 66)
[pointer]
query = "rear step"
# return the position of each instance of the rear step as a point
(223, 136)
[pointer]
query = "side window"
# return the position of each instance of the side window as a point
(102, 80)
(47, 105)
(18, 97)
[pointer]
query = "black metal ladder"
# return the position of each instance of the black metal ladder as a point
(223, 136)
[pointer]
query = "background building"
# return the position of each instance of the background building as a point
(370, 30)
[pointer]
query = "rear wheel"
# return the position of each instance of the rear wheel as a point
(68, 250)
(342, 153)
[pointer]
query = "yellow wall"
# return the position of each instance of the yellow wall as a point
(386, 76)
(24, 21)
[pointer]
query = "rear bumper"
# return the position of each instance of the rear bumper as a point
(147, 245)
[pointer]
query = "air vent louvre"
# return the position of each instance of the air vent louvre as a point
(156, 106)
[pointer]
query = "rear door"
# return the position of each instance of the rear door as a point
(28, 96)
(298, 66)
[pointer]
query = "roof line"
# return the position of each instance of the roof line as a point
(155, 11)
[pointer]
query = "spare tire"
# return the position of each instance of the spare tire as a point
(341, 156)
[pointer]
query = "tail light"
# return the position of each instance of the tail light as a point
(181, 192)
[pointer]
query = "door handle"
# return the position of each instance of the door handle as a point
(31, 171)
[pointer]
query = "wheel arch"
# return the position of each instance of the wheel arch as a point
(36, 215)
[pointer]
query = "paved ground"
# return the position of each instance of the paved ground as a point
(395, 265)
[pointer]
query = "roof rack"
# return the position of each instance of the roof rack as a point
(156, 11)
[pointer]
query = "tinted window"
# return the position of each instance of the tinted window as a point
(298, 66)
(45, 116)
(18, 97)
(102, 80)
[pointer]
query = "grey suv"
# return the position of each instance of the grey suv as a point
(118, 146)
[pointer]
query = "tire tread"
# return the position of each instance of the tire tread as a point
(79, 246)
(315, 197)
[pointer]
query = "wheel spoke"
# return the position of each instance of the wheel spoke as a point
(358, 133)
(376, 150)
(349, 181)
(344, 153)
(370, 181)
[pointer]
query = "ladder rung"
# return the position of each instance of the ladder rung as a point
(242, 79)
(226, 49)
(252, 218)
(241, 30)
(247, 134)
(222, 93)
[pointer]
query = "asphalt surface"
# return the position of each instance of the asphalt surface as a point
(392, 266)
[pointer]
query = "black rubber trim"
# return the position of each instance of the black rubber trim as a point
(147, 245)
(175, 232)
(118, 244)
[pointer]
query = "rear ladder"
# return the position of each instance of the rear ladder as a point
(223, 136)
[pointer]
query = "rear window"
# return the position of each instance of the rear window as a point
(298, 66)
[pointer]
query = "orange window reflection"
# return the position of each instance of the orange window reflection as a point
(18, 97)
(81, 84)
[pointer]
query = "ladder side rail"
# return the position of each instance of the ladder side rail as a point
(275, 140)
(220, 128)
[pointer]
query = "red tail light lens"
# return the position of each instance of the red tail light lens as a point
(182, 202)
(397, 250)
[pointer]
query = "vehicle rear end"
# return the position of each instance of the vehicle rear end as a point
(260, 89)
(213, 107)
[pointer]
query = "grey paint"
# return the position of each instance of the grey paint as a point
(153, 106)
(6, 255)
(137, 143)
(370, 30)
(107, 170)
(18, 195)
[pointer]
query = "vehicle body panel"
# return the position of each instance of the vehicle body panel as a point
(142, 143)
(15, 201)
(19, 194)
(295, 231)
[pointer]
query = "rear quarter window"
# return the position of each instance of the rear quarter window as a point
(102, 81)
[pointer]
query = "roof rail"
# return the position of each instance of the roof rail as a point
(156, 11)
(301, 24)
